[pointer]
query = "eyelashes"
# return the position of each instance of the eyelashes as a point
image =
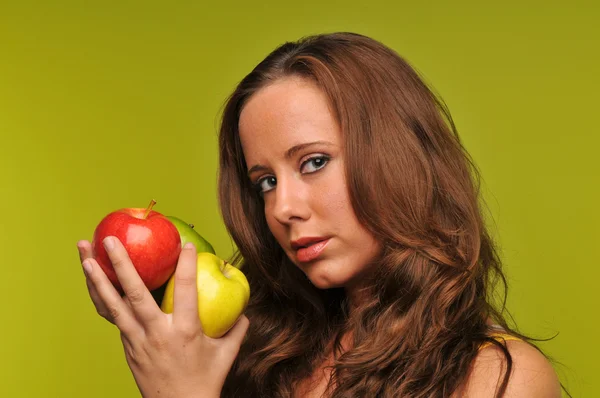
(318, 161)
(313, 164)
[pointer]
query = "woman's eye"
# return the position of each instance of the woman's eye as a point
(265, 184)
(314, 164)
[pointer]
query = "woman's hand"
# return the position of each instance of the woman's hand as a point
(168, 354)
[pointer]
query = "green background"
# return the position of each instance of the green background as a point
(109, 104)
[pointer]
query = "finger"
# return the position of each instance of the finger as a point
(140, 299)
(236, 334)
(98, 303)
(115, 308)
(85, 250)
(185, 295)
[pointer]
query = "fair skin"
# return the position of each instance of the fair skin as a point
(305, 194)
(532, 375)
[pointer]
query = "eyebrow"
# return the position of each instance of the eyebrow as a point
(290, 153)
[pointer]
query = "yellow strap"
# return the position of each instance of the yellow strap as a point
(498, 337)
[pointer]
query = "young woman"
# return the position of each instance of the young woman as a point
(357, 216)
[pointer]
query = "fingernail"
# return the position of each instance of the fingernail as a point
(188, 245)
(108, 243)
(87, 267)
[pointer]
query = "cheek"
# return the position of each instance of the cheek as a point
(337, 209)
(335, 206)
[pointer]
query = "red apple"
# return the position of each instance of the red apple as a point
(151, 240)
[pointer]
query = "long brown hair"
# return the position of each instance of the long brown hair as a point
(416, 189)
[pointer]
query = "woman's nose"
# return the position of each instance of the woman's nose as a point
(291, 200)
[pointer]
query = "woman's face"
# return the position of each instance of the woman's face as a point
(294, 153)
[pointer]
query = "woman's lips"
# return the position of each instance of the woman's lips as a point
(311, 252)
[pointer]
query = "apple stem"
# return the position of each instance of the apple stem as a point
(223, 266)
(149, 209)
(191, 225)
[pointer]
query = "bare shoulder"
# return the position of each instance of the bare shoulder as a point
(532, 375)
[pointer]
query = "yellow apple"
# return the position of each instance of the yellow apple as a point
(223, 294)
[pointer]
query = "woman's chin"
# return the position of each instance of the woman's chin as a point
(322, 274)
(320, 284)
(324, 281)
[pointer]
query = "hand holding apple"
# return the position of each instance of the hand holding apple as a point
(153, 243)
(165, 352)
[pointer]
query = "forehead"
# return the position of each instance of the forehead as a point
(288, 112)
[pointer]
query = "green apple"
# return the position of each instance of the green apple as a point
(187, 233)
(223, 294)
